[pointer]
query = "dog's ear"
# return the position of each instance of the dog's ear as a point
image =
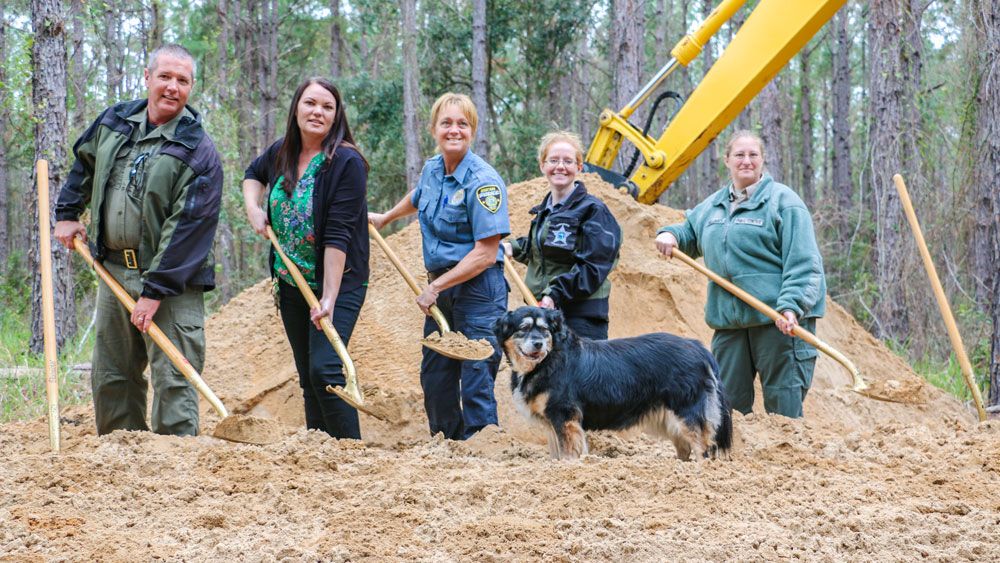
(556, 322)
(502, 326)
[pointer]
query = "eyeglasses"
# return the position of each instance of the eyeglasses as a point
(567, 162)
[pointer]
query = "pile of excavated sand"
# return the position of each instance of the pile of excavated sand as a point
(857, 478)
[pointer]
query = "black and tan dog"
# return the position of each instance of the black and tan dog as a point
(665, 384)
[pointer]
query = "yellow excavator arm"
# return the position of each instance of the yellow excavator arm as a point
(773, 33)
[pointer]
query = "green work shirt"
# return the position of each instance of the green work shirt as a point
(127, 181)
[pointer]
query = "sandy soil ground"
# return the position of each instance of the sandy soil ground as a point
(856, 479)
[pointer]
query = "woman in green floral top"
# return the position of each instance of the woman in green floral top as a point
(315, 182)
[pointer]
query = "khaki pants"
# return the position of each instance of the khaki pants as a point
(121, 354)
(785, 365)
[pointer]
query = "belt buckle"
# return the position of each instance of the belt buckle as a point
(130, 261)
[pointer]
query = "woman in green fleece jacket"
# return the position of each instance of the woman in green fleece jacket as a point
(759, 235)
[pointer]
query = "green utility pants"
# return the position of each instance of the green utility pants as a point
(785, 365)
(121, 354)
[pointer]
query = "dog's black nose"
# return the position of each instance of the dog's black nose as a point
(537, 345)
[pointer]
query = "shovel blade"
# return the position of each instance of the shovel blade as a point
(456, 346)
(249, 430)
(355, 399)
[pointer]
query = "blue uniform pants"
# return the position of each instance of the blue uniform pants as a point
(317, 362)
(458, 395)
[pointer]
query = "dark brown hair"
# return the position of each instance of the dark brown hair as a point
(340, 135)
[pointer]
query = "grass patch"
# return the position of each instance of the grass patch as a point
(22, 381)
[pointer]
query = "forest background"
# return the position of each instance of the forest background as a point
(887, 86)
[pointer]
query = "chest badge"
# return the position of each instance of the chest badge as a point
(560, 235)
(490, 197)
(457, 198)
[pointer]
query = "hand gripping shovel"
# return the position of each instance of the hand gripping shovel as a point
(859, 384)
(237, 428)
(350, 392)
(451, 344)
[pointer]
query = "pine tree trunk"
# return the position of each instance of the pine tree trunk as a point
(772, 116)
(49, 99)
(4, 117)
(806, 181)
(627, 34)
(225, 32)
(986, 175)
(480, 78)
(895, 72)
(335, 40)
(411, 94)
(267, 67)
(113, 51)
(840, 151)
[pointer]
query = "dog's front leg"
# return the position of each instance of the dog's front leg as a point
(572, 441)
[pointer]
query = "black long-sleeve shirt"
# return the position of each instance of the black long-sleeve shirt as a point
(340, 209)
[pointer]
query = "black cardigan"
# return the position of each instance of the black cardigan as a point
(340, 210)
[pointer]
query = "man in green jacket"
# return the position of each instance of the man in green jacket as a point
(152, 179)
(759, 235)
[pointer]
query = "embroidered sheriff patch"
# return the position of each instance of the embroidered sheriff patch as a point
(490, 197)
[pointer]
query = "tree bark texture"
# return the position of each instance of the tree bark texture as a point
(4, 117)
(480, 76)
(627, 37)
(335, 40)
(986, 176)
(806, 185)
(772, 131)
(411, 95)
(113, 51)
(840, 149)
(49, 100)
(895, 72)
(267, 66)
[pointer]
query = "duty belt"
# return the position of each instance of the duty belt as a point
(431, 276)
(126, 257)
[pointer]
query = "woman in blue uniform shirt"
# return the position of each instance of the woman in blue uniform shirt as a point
(461, 203)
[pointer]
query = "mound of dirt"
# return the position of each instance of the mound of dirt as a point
(856, 479)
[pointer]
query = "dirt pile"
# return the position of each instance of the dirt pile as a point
(857, 478)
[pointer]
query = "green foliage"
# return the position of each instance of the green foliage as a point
(22, 380)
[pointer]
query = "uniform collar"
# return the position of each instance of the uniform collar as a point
(759, 193)
(579, 192)
(168, 130)
(187, 131)
(463, 168)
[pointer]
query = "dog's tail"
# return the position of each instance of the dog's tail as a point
(724, 432)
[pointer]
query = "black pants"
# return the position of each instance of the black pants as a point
(588, 327)
(317, 362)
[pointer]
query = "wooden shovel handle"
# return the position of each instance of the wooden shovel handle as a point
(859, 382)
(410, 280)
(48, 305)
(307, 292)
(529, 298)
(161, 340)
(942, 299)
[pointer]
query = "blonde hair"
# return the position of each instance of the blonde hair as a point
(560, 137)
(741, 134)
(463, 102)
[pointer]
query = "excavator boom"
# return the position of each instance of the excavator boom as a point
(773, 33)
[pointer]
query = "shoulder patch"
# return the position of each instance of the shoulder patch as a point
(490, 197)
